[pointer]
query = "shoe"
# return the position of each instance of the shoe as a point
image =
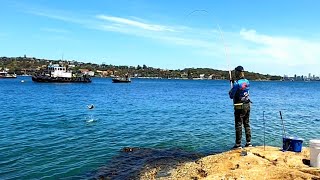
(237, 146)
(248, 144)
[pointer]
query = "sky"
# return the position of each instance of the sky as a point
(270, 37)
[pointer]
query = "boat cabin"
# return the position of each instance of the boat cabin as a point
(56, 70)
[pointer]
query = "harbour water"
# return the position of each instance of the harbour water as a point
(47, 131)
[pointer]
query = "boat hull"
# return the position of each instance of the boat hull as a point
(47, 79)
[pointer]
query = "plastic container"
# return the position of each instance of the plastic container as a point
(292, 144)
(315, 153)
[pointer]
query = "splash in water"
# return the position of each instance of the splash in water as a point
(90, 119)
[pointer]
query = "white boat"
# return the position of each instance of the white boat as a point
(5, 74)
(125, 79)
(57, 73)
(121, 80)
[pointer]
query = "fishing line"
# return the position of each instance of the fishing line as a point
(264, 133)
(222, 38)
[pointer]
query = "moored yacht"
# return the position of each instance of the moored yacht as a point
(5, 74)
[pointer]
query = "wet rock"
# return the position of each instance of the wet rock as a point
(129, 149)
(144, 163)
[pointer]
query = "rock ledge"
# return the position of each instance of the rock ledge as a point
(248, 163)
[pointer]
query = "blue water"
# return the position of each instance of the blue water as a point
(47, 131)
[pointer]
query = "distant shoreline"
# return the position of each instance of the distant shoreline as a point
(32, 65)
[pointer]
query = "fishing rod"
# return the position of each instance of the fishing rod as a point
(223, 40)
(226, 53)
(283, 129)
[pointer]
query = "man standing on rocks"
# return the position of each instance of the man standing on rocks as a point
(241, 100)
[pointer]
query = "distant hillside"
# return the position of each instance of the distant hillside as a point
(28, 65)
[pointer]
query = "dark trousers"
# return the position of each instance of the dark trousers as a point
(241, 116)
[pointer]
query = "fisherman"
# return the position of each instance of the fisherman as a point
(241, 100)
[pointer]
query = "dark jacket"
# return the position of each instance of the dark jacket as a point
(240, 91)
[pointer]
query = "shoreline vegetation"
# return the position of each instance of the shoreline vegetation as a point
(248, 163)
(31, 65)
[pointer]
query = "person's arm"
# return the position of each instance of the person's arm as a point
(234, 89)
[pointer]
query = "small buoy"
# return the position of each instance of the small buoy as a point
(90, 106)
(22, 81)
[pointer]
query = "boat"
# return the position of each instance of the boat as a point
(121, 80)
(59, 74)
(5, 74)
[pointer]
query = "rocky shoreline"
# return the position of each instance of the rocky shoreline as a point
(248, 163)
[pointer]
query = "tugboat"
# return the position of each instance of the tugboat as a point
(126, 79)
(59, 74)
(5, 74)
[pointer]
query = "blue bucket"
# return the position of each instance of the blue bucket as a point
(292, 144)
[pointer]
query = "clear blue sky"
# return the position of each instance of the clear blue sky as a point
(274, 37)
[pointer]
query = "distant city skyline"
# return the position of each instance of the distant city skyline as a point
(268, 37)
(302, 77)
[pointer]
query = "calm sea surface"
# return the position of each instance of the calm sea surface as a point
(47, 131)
